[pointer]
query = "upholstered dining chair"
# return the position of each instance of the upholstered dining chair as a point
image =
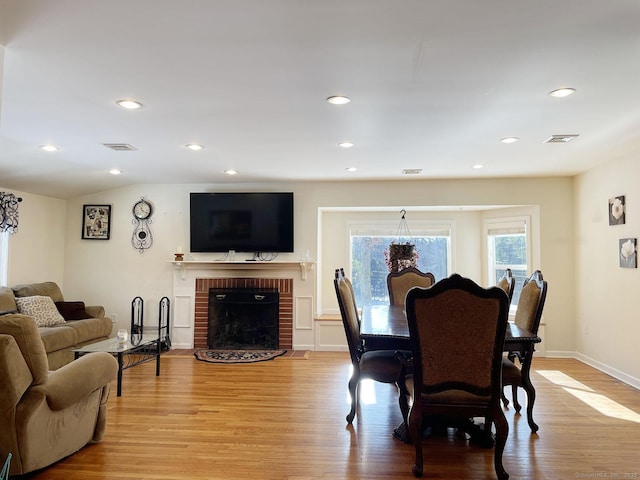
(528, 315)
(457, 330)
(399, 283)
(386, 366)
(507, 283)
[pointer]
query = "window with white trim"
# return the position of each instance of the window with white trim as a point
(508, 246)
(368, 268)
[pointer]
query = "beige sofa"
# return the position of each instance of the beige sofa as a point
(58, 339)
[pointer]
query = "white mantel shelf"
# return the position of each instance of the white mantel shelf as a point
(243, 265)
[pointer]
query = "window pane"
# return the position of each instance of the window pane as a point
(369, 270)
(509, 251)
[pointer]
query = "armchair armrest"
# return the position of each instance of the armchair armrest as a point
(73, 382)
(96, 311)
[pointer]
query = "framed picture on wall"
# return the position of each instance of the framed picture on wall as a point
(628, 252)
(616, 210)
(96, 222)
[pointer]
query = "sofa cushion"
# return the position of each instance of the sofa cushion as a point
(72, 310)
(41, 309)
(90, 329)
(49, 289)
(58, 337)
(7, 300)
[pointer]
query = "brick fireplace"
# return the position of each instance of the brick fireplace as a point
(285, 310)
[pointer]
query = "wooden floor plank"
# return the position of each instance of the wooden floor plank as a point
(285, 419)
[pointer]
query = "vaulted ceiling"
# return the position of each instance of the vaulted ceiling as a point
(434, 87)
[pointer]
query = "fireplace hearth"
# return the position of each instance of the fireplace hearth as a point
(243, 318)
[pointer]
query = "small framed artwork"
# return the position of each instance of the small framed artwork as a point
(96, 222)
(616, 210)
(628, 252)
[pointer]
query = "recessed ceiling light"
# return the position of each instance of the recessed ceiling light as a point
(352, 169)
(230, 172)
(115, 171)
(510, 140)
(477, 166)
(49, 148)
(194, 146)
(129, 104)
(562, 92)
(345, 144)
(338, 100)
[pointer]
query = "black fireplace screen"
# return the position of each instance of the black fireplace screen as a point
(243, 318)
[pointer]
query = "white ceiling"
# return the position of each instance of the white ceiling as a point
(435, 85)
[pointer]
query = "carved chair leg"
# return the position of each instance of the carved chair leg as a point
(514, 393)
(502, 432)
(353, 393)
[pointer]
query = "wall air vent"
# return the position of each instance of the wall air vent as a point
(412, 171)
(560, 138)
(120, 147)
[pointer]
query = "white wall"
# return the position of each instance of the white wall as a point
(606, 315)
(36, 250)
(111, 272)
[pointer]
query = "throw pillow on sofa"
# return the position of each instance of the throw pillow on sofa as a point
(41, 309)
(72, 310)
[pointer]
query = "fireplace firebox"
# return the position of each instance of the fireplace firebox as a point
(243, 318)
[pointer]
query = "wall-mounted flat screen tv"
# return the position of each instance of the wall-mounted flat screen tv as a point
(244, 222)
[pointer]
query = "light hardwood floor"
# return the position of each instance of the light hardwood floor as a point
(285, 419)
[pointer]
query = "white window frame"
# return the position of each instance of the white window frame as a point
(505, 226)
(419, 228)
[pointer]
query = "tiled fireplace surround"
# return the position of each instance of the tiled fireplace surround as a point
(283, 285)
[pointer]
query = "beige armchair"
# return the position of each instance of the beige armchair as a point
(46, 416)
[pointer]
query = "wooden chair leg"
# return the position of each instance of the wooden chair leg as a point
(415, 424)
(502, 432)
(514, 393)
(353, 392)
(531, 398)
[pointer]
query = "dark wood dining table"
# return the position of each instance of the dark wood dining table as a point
(384, 327)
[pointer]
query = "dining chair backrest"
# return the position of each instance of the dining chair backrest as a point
(399, 283)
(457, 331)
(341, 274)
(507, 283)
(531, 302)
(349, 314)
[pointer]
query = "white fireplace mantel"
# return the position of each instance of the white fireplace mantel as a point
(186, 273)
(242, 265)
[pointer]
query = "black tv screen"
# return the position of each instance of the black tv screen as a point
(244, 222)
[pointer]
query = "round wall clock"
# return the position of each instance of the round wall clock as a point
(141, 239)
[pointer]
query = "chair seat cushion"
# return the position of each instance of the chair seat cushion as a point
(381, 365)
(455, 397)
(510, 373)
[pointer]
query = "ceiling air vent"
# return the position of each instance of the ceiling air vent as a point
(412, 171)
(120, 147)
(560, 138)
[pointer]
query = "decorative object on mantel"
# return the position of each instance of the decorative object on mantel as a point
(401, 252)
(617, 210)
(141, 239)
(179, 254)
(628, 252)
(237, 356)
